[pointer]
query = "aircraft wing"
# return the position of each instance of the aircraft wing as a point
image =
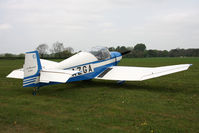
(139, 73)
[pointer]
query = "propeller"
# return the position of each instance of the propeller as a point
(126, 52)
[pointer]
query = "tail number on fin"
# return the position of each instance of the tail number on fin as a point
(83, 69)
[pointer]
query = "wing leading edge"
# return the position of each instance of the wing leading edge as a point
(139, 73)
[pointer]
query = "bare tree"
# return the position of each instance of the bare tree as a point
(57, 47)
(42, 49)
(69, 49)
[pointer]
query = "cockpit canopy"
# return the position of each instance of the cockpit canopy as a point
(101, 53)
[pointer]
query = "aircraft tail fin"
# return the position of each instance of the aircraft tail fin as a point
(32, 67)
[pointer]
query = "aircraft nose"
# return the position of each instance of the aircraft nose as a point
(115, 54)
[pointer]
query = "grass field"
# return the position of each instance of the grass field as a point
(169, 104)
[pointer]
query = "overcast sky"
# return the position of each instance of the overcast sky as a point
(160, 24)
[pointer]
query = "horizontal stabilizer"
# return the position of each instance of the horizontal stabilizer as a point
(56, 75)
(48, 64)
(140, 73)
(18, 74)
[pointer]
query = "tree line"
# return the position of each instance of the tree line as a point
(58, 51)
(140, 51)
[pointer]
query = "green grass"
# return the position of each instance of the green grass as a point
(168, 104)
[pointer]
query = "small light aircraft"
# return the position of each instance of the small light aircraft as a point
(98, 63)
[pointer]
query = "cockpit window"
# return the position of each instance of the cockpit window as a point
(101, 53)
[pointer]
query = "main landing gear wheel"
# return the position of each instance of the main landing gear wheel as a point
(120, 82)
